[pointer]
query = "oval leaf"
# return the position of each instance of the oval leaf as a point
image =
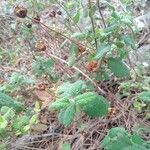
(118, 67)
(66, 115)
(92, 104)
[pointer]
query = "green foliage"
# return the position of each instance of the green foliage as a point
(71, 89)
(66, 116)
(13, 123)
(43, 66)
(17, 82)
(72, 54)
(66, 146)
(89, 102)
(8, 101)
(118, 67)
(102, 50)
(108, 45)
(118, 138)
(145, 96)
(92, 104)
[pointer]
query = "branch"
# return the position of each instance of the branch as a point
(93, 27)
(100, 12)
(77, 69)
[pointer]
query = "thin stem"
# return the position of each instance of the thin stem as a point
(101, 15)
(93, 26)
(77, 69)
(61, 34)
(69, 15)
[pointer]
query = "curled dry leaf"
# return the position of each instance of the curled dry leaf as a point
(81, 48)
(38, 128)
(45, 98)
(92, 66)
(40, 46)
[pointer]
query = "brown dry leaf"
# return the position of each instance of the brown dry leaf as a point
(44, 96)
(38, 128)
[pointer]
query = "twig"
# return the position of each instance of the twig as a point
(101, 15)
(69, 15)
(77, 69)
(63, 35)
(93, 26)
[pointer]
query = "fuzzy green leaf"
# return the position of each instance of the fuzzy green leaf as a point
(92, 104)
(66, 115)
(145, 96)
(118, 67)
(59, 104)
(102, 50)
(8, 101)
(71, 89)
(66, 146)
(3, 123)
(72, 54)
(115, 139)
(20, 122)
(76, 17)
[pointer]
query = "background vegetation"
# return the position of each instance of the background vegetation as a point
(74, 75)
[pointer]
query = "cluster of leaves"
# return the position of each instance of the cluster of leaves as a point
(14, 118)
(107, 46)
(72, 101)
(117, 138)
(17, 82)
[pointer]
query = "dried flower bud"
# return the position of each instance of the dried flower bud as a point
(40, 46)
(20, 11)
(92, 66)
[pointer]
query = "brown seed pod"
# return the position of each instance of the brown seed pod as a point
(20, 11)
(112, 111)
(52, 14)
(41, 86)
(36, 19)
(81, 48)
(92, 66)
(40, 46)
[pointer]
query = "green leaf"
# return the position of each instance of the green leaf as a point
(66, 115)
(59, 104)
(8, 113)
(66, 146)
(3, 123)
(76, 17)
(102, 50)
(8, 101)
(71, 89)
(115, 139)
(92, 104)
(135, 147)
(137, 139)
(118, 67)
(20, 122)
(92, 10)
(145, 96)
(111, 28)
(72, 54)
(129, 41)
